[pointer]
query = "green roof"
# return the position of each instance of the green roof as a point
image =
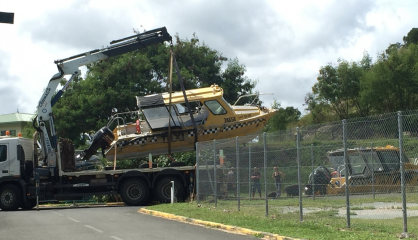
(16, 117)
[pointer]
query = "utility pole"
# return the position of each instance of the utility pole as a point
(7, 17)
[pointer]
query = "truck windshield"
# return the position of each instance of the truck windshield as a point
(357, 163)
(336, 159)
(373, 160)
(390, 160)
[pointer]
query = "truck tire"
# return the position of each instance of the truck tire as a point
(10, 197)
(134, 192)
(163, 190)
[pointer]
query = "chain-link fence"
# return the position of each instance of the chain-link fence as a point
(360, 168)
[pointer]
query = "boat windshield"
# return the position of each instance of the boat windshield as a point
(200, 113)
(215, 107)
(157, 118)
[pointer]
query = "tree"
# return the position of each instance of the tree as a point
(411, 37)
(352, 89)
(319, 110)
(235, 81)
(283, 118)
(339, 87)
(392, 84)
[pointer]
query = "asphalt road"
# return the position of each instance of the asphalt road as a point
(94, 223)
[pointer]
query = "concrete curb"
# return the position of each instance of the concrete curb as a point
(115, 204)
(240, 230)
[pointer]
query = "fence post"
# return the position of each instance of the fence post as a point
(265, 173)
(371, 159)
(299, 173)
(238, 181)
(249, 172)
(215, 183)
(347, 194)
(197, 173)
(172, 192)
(313, 179)
(402, 168)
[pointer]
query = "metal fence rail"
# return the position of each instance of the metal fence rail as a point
(364, 160)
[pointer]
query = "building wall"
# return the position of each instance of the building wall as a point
(13, 128)
(14, 123)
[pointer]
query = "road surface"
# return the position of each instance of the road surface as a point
(94, 223)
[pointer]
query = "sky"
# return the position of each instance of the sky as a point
(283, 44)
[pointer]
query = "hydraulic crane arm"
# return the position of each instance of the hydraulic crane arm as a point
(70, 66)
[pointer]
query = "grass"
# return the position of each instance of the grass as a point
(323, 223)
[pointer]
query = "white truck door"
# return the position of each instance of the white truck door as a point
(4, 160)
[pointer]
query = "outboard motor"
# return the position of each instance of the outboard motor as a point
(101, 139)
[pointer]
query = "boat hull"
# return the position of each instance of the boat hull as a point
(141, 145)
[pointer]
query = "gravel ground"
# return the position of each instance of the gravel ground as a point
(382, 210)
(376, 210)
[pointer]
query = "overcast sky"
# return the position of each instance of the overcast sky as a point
(282, 43)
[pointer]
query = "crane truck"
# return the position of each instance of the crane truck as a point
(32, 169)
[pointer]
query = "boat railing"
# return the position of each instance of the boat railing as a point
(117, 116)
(251, 95)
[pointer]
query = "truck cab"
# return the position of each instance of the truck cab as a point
(16, 167)
(15, 156)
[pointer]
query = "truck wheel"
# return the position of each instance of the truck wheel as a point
(163, 190)
(10, 197)
(134, 192)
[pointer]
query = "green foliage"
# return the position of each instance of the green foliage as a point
(187, 157)
(235, 83)
(28, 130)
(128, 163)
(283, 118)
(358, 89)
(162, 161)
(340, 87)
(319, 111)
(392, 83)
(411, 37)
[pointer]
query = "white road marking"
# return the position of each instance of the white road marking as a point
(95, 229)
(59, 214)
(116, 238)
(72, 219)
